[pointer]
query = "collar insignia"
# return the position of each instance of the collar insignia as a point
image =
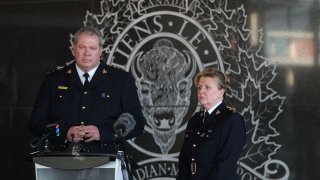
(69, 71)
(218, 112)
(104, 71)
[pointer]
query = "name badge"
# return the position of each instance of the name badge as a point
(63, 87)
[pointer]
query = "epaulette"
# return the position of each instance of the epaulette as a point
(54, 70)
(117, 67)
(58, 68)
(231, 109)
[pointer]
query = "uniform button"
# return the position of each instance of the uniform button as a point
(60, 96)
(198, 132)
(194, 145)
(83, 107)
(192, 159)
(85, 92)
(103, 145)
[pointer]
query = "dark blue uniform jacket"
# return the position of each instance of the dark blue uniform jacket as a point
(211, 149)
(62, 99)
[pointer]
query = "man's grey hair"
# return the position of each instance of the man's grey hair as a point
(88, 30)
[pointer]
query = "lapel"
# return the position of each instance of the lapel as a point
(72, 76)
(215, 116)
(99, 75)
(198, 125)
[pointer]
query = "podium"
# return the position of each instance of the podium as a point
(93, 166)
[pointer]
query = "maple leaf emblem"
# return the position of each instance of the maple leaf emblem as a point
(250, 72)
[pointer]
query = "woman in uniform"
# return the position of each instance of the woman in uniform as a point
(214, 137)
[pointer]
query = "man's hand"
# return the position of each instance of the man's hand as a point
(75, 134)
(88, 133)
(91, 133)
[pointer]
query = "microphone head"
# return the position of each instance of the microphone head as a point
(51, 125)
(54, 128)
(124, 124)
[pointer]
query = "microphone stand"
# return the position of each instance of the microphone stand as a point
(121, 155)
(35, 143)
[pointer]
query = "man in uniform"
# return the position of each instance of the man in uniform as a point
(84, 99)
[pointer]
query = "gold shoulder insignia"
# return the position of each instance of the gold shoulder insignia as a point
(231, 109)
(58, 68)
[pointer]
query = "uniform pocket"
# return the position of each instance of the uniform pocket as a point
(63, 103)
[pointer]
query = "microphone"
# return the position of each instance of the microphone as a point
(124, 125)
(51, 125)
(55, 125)
(53, 128)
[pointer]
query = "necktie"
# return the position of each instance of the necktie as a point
(206, 117)
(86, 82)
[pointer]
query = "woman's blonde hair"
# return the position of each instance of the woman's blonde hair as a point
(222, 79)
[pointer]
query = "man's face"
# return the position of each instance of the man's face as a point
(87, 52)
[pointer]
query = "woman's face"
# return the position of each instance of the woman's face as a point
(208, 92)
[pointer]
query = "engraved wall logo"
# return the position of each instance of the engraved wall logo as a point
(164, 44)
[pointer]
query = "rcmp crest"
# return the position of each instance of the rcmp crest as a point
(164, 44)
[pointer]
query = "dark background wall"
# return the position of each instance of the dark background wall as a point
(35, 35)
(35, 38)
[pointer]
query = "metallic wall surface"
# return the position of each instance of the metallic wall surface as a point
(269, 48)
